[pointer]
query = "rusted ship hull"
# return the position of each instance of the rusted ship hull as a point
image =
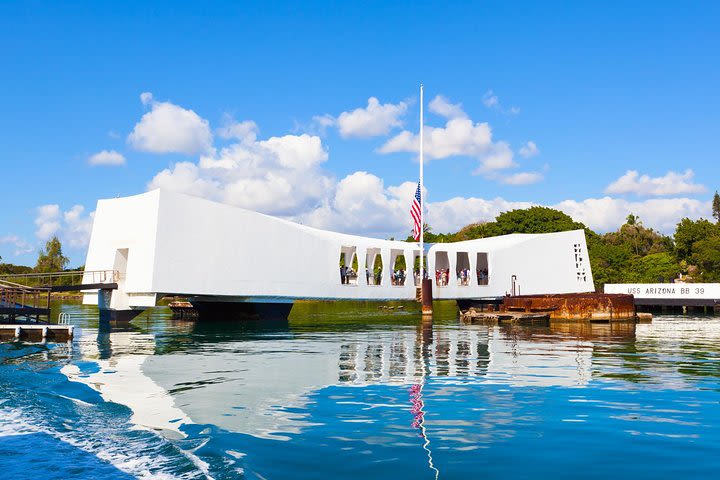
(575, 306)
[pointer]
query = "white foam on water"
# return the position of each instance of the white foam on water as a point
(122, 455)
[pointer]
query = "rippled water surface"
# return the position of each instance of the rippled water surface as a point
(356, 392)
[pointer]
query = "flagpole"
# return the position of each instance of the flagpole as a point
(422, 199)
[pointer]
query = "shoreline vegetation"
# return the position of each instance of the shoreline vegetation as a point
(631, 254)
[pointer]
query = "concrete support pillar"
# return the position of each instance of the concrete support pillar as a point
(110, 314)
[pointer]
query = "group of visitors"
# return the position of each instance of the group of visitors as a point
(347, 274)
(441, 277)
(397, 277)
(482, 276)
(463, 277)
(376, 278)
(416, 276)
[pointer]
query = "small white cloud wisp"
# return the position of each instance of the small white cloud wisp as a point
(107, 157)
(672, 183)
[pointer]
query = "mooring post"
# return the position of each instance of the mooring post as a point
(427, 306)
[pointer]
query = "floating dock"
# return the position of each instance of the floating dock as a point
(37, 333)
(473, 315)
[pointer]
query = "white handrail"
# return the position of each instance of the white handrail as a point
(64, 318)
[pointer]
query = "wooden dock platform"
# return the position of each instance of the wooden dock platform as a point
(473, 315)
(37, 333)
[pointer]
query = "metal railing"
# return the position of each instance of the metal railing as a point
(64, 278)
(16, 296)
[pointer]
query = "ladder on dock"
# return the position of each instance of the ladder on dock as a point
(21, 302)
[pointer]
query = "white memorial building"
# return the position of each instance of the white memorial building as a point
(164, 243)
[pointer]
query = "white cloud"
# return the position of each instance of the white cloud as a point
(374, 120)
(270, 176)
(320, 124)
(296, 151)
(451, 215)
(442, 106)
(361, 203)
(21, 246)
(529, 150)
(47, 221)
(107, 157)
(146, 98)
(254, 177)
(521, 178)
(459, 137)
(672, 183)
(168, 128)
(246, 130)
(283, 176)
(76, 227)
(490, 100)
(72, 227)
(187, 177)
(607, 213)
(600, 214)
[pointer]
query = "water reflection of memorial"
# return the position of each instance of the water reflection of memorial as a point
(258, 382)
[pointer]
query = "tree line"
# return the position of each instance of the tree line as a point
(633, 253)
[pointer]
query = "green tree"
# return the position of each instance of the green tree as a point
(52, 258)
(656, 267)
(472, 231)
(706, 256)
(608, 262)
(531, 220)
(641, 240)
(716, 207)
(9, 268)
(688, 232)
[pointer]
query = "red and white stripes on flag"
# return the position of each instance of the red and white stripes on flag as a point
(415, 214)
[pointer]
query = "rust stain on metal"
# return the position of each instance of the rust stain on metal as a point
(575, 306)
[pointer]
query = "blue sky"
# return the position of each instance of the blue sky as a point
(620, 104)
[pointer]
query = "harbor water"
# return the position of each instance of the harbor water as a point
(346, 392)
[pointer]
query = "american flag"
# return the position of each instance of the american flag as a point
(415, 214)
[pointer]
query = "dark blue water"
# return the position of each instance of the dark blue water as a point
(363, 395)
